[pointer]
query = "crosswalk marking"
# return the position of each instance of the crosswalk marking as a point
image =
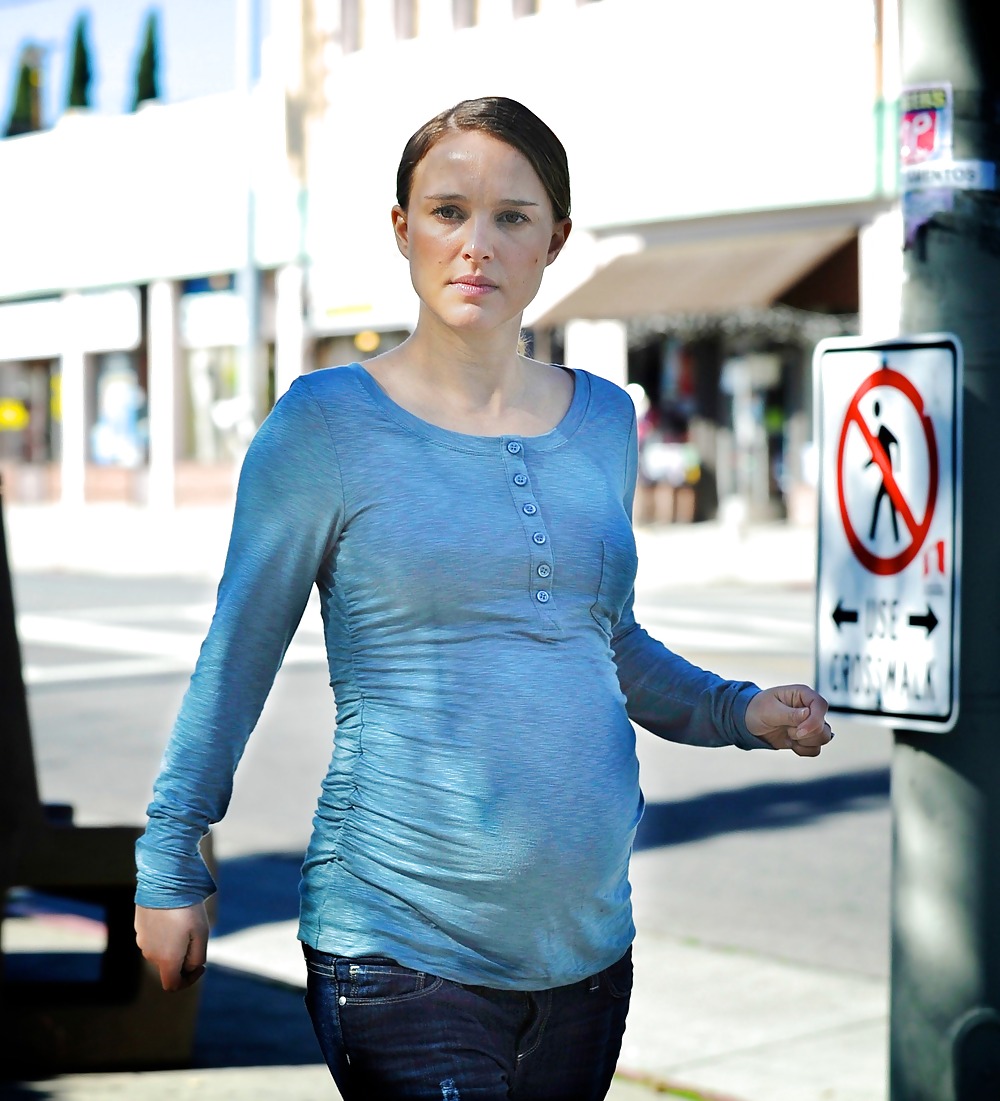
(151, 651)
(716, 630)
(128, 647)
(83, 672)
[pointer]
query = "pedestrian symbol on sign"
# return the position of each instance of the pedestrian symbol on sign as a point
(885, 439)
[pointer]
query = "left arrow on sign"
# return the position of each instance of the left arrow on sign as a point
(930, 620)
(845, 615)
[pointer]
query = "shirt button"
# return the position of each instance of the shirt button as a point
(544, 569)
(529, 509)
(542, 596)
(514, 447)
(520, 479)
(539, 537)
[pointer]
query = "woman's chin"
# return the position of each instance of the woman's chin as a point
(474, 318)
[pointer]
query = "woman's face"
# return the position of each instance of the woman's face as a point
(478, 231)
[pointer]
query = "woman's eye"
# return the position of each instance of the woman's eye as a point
(447, 212)
(513, 217)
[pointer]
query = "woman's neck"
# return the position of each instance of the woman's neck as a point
(474, 373)
(474, 383)
(473, 363)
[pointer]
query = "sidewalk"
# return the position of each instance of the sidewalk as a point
(707, 1023)
(721, 1024)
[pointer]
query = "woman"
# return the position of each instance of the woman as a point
(464, 513)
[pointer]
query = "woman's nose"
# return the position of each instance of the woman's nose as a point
(478, 241)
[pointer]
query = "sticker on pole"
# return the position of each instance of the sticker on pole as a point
(887, 578)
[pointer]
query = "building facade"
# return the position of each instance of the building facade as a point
(166, 274)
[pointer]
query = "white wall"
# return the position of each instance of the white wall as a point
(104, 200)
(667, 109)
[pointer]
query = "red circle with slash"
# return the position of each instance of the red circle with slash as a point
(918, 529)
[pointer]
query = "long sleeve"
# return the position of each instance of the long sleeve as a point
(289, 510)
(666, 694)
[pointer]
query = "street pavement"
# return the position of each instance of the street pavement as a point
(707, 1022)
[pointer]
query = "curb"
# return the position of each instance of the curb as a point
(668, 1088)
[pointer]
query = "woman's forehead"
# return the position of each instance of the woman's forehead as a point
(469, 157)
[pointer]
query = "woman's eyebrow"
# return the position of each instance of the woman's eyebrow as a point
(453, 197)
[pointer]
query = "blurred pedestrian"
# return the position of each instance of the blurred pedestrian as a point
(464, 514)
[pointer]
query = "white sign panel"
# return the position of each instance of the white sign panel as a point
(889, 417)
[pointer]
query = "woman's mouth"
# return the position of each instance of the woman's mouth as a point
(473, 286)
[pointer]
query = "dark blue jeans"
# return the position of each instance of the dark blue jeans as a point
(389, 1033)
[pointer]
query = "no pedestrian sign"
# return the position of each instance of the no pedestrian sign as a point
(889, 417)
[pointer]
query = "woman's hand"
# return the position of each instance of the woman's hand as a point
(175, 942)
(791, 716)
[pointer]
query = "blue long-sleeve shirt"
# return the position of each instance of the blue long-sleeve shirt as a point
(477, 816)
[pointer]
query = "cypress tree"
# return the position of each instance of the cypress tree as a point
(80, 74)
(26, 113)
(146, 74)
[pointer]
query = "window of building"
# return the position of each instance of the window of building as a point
(348, 35)
(464, 13)
(405, 15)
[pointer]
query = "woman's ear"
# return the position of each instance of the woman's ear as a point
(401, 229)
(559, 234)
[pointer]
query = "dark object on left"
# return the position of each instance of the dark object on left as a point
(55, 1020)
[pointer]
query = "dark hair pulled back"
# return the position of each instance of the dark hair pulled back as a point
(509, 121)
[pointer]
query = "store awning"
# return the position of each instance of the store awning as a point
(714, 275)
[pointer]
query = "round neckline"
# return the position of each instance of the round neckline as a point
(464, 441)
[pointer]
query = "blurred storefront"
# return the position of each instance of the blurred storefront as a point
(722, 224)
(718, 318)
(79, 358)
(130, 317)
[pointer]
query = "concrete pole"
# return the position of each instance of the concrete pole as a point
(880, 256)
(250, 385)
(73, 402)
(944, 1025)
(289, 326)
(163, 358)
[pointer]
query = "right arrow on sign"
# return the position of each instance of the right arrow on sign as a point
(930, 620)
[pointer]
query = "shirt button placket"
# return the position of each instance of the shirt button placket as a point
(541, 556)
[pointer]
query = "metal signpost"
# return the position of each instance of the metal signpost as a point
(890, 417)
